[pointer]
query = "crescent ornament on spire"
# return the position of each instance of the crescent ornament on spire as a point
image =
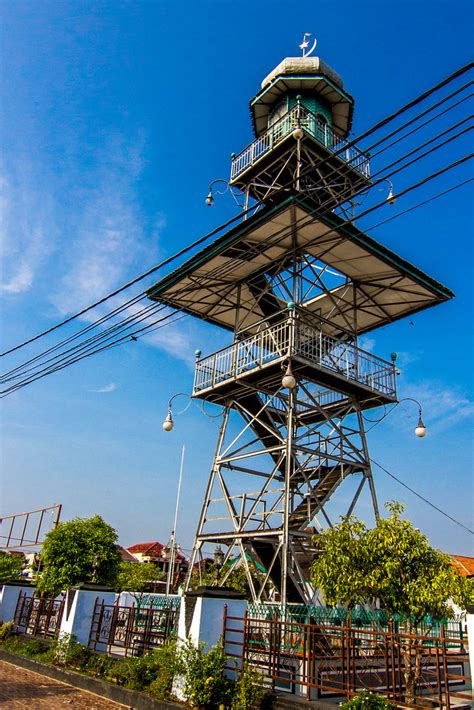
(305, 44)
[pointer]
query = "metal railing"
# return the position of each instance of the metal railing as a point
(38, 616)
(339, 659)
(295, 338)
(319, 130)
(131, 630)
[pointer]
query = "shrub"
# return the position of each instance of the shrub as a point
(100, 666)
(138, 672)
(204, 682)
(36, 647)
(7, 629)
(68, 652)
(167, 663)
(249, 691)
(39, 649)
(367, 701)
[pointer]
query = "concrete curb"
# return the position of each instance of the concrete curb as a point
(129, 698)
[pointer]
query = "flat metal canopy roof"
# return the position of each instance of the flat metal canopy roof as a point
(230, 275)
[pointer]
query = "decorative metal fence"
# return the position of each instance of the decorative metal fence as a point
(294, 337)
(359, 618)
(320, 661)
(299, 116)
(131, 630)
(38, 616)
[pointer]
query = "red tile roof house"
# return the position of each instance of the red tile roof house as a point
(156, 553)
(464, 565)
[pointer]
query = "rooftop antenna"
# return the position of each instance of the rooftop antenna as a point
(305, 44)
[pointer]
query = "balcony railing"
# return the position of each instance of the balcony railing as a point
(300, 116)
(294, 338)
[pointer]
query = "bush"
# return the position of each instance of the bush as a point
(7, 629)
(367, 701)
(36, 647)
(204, 682)
(249, 692)
(101, 666)
(39, 649)
(68, 652)
(167, 663)
(138, 672)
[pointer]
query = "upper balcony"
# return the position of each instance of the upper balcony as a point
(314, 127)
(315, 355)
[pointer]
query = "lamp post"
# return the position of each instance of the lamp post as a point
(218, 561)
(391, 199)
(228, 188)
(168, 424)
(420, 429)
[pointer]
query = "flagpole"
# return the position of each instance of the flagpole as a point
(169, 579)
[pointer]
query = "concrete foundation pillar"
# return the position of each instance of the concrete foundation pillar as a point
(79, 609)
(201, 619)
(9, 594)
(470, 641)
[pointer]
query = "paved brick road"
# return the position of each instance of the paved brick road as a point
(20, 688)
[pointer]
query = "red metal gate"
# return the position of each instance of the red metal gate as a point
(324, 661)
(38, 616)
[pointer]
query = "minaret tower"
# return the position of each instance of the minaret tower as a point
(297, 284)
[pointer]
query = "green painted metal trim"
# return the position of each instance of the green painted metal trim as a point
(221, 243)
(344, 94)
(350, 230)
(384, 253)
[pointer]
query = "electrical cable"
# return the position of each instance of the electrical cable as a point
(380, 124)
(146, 328)
(366, 212)
(19, 385)
(136, 298)
(425, 500)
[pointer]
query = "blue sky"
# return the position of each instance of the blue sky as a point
(115, 118)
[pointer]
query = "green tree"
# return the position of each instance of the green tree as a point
(135, 577)
(10, 567)
(394, 564)
(80, 550)
(236, 579)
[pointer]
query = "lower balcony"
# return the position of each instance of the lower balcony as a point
(316, 357)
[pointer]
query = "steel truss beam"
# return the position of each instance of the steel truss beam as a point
(297, 465)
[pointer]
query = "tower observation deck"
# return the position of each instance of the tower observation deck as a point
(297, 286)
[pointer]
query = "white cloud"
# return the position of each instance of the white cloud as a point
(24, 214)
(105, 389)
(367, 343)
(111, 239)
(443, 406)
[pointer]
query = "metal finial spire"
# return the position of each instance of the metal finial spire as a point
(305, 44)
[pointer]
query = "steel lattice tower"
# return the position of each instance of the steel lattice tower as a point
(297, 284)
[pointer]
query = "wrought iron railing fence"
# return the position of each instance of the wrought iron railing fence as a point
(300, 116)
(324, 660)
(294, 337)
(132, 630)
(38, 616)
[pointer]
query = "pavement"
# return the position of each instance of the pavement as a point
(20, 688)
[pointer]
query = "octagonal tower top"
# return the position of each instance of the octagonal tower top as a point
(320, 87)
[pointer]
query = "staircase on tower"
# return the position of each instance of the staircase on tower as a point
(296, 284)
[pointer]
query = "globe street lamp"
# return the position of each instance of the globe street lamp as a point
(227, 188)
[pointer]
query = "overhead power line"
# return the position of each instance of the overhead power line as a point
(131, 320)
(136, 334)
(207, 236)
(421, 497)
